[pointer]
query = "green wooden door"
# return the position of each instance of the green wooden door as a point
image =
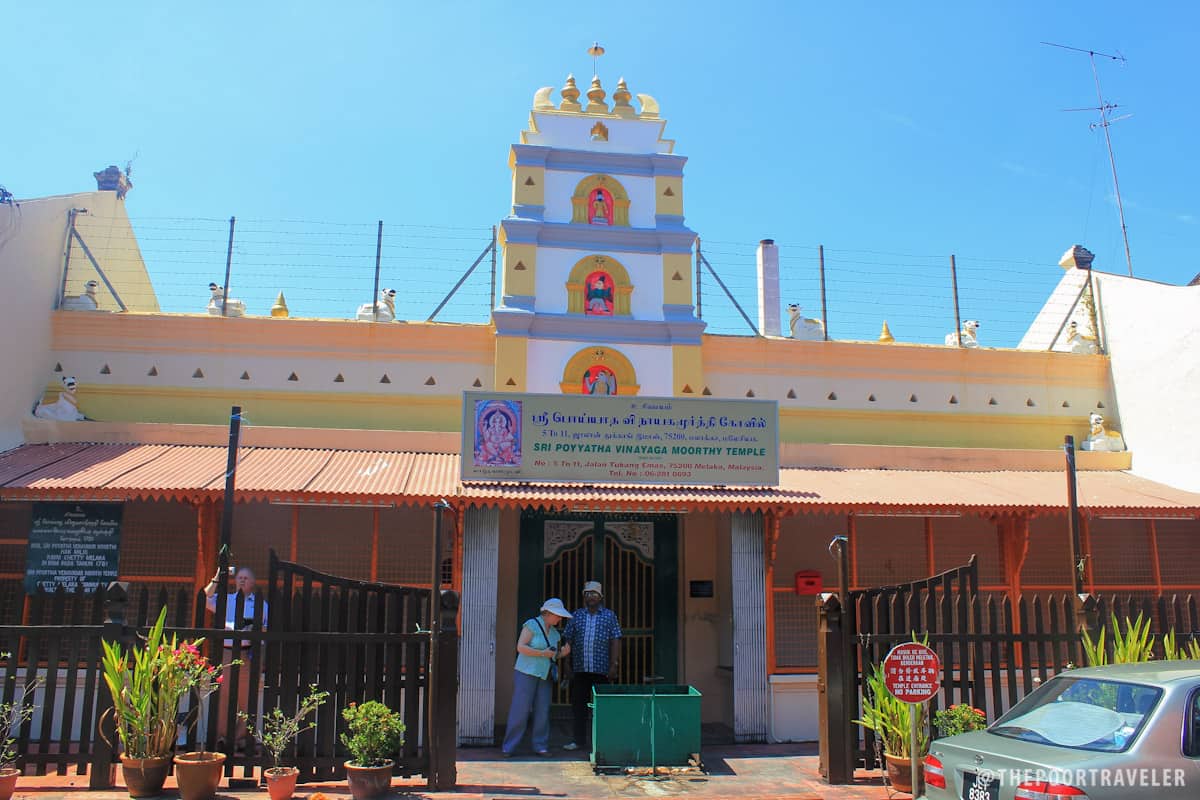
(635, 558)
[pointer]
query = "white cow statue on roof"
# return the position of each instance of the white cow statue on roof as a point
(969, 328)
(65, 408)
(804, 327)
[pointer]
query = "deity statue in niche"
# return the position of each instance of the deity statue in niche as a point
(599, 380)
(598, 288)
(600, 212)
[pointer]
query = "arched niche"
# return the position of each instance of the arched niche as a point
(592, 361)
(578, 287)
(614, 198)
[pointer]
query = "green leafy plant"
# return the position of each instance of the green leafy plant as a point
(959, 718)
(145, 694)
(889, 717)
(147, 684)
(1132, 645)
(278, 730)
(1173, 651)
(374, 733)
(13, 715)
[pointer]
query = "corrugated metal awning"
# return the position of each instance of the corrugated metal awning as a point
(141, 471)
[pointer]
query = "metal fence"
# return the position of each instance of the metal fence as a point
(330, 269)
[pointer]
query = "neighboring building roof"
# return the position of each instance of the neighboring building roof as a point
(350, 477)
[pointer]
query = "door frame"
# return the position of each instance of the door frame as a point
(666, 576)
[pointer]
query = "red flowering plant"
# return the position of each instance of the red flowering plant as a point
(198, 674)
(959, 718)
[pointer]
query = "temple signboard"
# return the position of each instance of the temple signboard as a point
(621, 439)
(73, 545)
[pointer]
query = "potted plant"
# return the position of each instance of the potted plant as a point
(276, 733)
(198, 773)
(13, 715)
(374, 734)
(889, 719)
(959, 718)
(145, 694)
(146, 684)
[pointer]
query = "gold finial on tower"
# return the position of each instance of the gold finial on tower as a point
(570, 96)
(885, 335)
(621, 98)
(595, 95)
(280, 308)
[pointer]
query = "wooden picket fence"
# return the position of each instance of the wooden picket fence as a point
(993, 651)
(355, 639)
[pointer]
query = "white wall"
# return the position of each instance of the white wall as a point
(548, 359)
(560, 187)
(1153, 336)
(554, 265)
(573, 131)
(32, 243)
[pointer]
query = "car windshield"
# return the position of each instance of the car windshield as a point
(1081, 713)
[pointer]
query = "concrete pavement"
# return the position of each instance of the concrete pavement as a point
(745, 772)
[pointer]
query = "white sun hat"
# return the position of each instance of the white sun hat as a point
(556, 607)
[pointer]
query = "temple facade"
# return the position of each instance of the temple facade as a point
(921, 455)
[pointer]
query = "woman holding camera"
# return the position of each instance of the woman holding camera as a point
(534, 674)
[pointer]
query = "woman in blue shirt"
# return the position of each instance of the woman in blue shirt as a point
(538, 652)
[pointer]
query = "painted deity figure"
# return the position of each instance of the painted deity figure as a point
(599, 296)
(599, 209)
(497, 443)
(599, 382)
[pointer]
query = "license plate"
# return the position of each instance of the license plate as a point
(980, 786)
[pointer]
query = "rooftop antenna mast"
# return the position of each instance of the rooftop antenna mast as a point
(1104, 108)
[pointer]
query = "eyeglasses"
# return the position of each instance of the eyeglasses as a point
(591, 594)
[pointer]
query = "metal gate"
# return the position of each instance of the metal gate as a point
(634, 558)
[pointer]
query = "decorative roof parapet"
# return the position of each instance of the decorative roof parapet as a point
(596, 95)
(621, 97)
(570, 96)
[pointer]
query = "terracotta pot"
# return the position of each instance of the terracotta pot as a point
(144, 777)
(899, 772)
(199, 774)
(368, 782)
(281, 782)
(8, 782)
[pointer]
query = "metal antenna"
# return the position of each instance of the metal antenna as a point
(595, 51)
(1104, 108)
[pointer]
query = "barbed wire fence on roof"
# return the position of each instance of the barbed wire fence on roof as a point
(323, 269)
(327, 270)
(913, 293)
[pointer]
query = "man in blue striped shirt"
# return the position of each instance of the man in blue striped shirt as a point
(595, 637)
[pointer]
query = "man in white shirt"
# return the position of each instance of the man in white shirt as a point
(244, 582)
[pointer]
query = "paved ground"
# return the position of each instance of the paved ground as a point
(745, 772)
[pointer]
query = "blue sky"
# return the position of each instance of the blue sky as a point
(894, 134)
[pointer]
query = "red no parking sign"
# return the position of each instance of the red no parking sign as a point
(912, 672)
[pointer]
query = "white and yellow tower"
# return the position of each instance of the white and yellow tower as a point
(597, 287)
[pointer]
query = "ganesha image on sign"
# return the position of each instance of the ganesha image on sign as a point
(497, 433)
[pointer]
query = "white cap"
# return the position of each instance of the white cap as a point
(556, 607)
(593, 586)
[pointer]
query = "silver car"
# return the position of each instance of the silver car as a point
(1122, 731)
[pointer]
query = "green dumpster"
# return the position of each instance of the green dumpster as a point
(621, 725)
